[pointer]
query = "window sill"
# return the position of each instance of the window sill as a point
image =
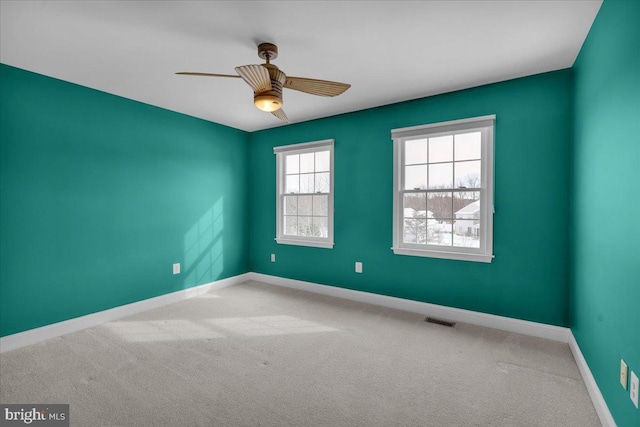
(461, 256)
(310, 243)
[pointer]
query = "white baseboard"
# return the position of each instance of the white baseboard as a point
(594, 391)
(508, 324)
(32, 336)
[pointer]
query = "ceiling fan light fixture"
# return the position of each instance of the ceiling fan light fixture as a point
(267, 102)
(267, 82)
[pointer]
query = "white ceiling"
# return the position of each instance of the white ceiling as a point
(389, 51)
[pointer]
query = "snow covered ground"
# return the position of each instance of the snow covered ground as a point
(439, 234)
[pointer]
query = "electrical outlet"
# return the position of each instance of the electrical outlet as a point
(633, 393)
(273, 257)
(358, 267)
(624, 373)
(176, 268)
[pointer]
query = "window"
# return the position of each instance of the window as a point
(305, 194)
(443, 190)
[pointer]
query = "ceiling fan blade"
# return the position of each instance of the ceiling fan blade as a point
(256, 76)
(188, 73)
(316, 87)
(281, 115)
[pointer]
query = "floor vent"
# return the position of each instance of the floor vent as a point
(440, 322)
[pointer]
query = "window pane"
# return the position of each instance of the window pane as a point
(320, 205)
(441, 149)
(415, 230)
(415, 177)
(415, 202)
(306, 183)
(468, 146)
(306, 162)
(439, 234)
(467, 223)
(441, 175)
(440, 205)
(415, 218)
(461, 199)
(293, 184)
(290, 205)
(304, 226)
(322, 182)
(304, 205)
(291, 225)
(323, 163)
(293, 163)
(467, 174)
(415, 151)
(320, 226)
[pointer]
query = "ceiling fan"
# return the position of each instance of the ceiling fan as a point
(267, 82)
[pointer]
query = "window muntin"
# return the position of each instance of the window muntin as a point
(443, 201)
(305, 194)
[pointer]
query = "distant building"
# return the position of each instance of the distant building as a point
(467, 221)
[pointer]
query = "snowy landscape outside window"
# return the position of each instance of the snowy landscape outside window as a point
(443, 190)
(305, 194)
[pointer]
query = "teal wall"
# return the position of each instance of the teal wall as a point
(99, 195)
(605, 273)
(527, 279)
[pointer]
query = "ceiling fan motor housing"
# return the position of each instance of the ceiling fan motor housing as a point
(267, 51)
(271, 100)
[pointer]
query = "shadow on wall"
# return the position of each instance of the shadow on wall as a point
(204, 247)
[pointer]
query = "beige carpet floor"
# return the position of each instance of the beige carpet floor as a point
(259, 355)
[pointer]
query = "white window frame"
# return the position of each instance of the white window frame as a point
(281, 152)
(485, 125)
